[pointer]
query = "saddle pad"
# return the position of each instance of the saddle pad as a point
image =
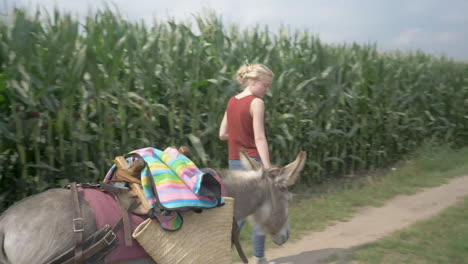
(175, 184)
(107, 211)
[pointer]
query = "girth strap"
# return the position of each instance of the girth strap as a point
(102, 241)
(97, 246)
(127, 227)
(78, 224)
(106, 241)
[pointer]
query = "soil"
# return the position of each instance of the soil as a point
(336, 243)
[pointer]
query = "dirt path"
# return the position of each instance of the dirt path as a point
(369, 224)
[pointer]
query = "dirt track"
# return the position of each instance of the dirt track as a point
(369, 224)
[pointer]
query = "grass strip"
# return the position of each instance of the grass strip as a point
(442, 239)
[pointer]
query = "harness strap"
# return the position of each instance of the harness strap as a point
(78, 224)
(235, 240)
(105, 243)
(126, 224)
(103, 240)
(114, 191)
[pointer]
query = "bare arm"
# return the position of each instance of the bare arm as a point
(223, 129)
(257, 110)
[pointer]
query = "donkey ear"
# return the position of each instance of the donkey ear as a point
(290, 172)
(248, 162)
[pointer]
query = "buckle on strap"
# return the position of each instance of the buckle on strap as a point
(78, 225)
(110, 237)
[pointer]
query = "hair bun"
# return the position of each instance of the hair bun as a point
(252, 72)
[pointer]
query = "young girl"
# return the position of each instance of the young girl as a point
(243, 126)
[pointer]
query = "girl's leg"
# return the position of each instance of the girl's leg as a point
(240, 224)
(258, 237)
(235, 164)
(258, 242)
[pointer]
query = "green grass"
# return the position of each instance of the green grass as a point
(443, 239)
(314, 208)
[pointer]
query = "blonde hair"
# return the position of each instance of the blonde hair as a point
(249, 72)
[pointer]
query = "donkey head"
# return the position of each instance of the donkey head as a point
(273, 213)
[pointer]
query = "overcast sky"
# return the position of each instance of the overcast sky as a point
(434, 26)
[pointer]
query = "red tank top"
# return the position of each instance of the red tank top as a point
(240, 127)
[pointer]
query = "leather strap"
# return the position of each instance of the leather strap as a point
(235, 240)
(105, 242)
(126, 223)
(127, 227)
(78, 224)
(106, 237)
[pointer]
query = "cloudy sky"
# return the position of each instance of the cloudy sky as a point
(439, 27)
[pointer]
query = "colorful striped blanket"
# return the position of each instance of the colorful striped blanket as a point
(172, 183)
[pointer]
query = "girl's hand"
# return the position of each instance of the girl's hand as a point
(223, 129)
(257, 110)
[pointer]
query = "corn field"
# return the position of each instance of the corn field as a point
(73, 95)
